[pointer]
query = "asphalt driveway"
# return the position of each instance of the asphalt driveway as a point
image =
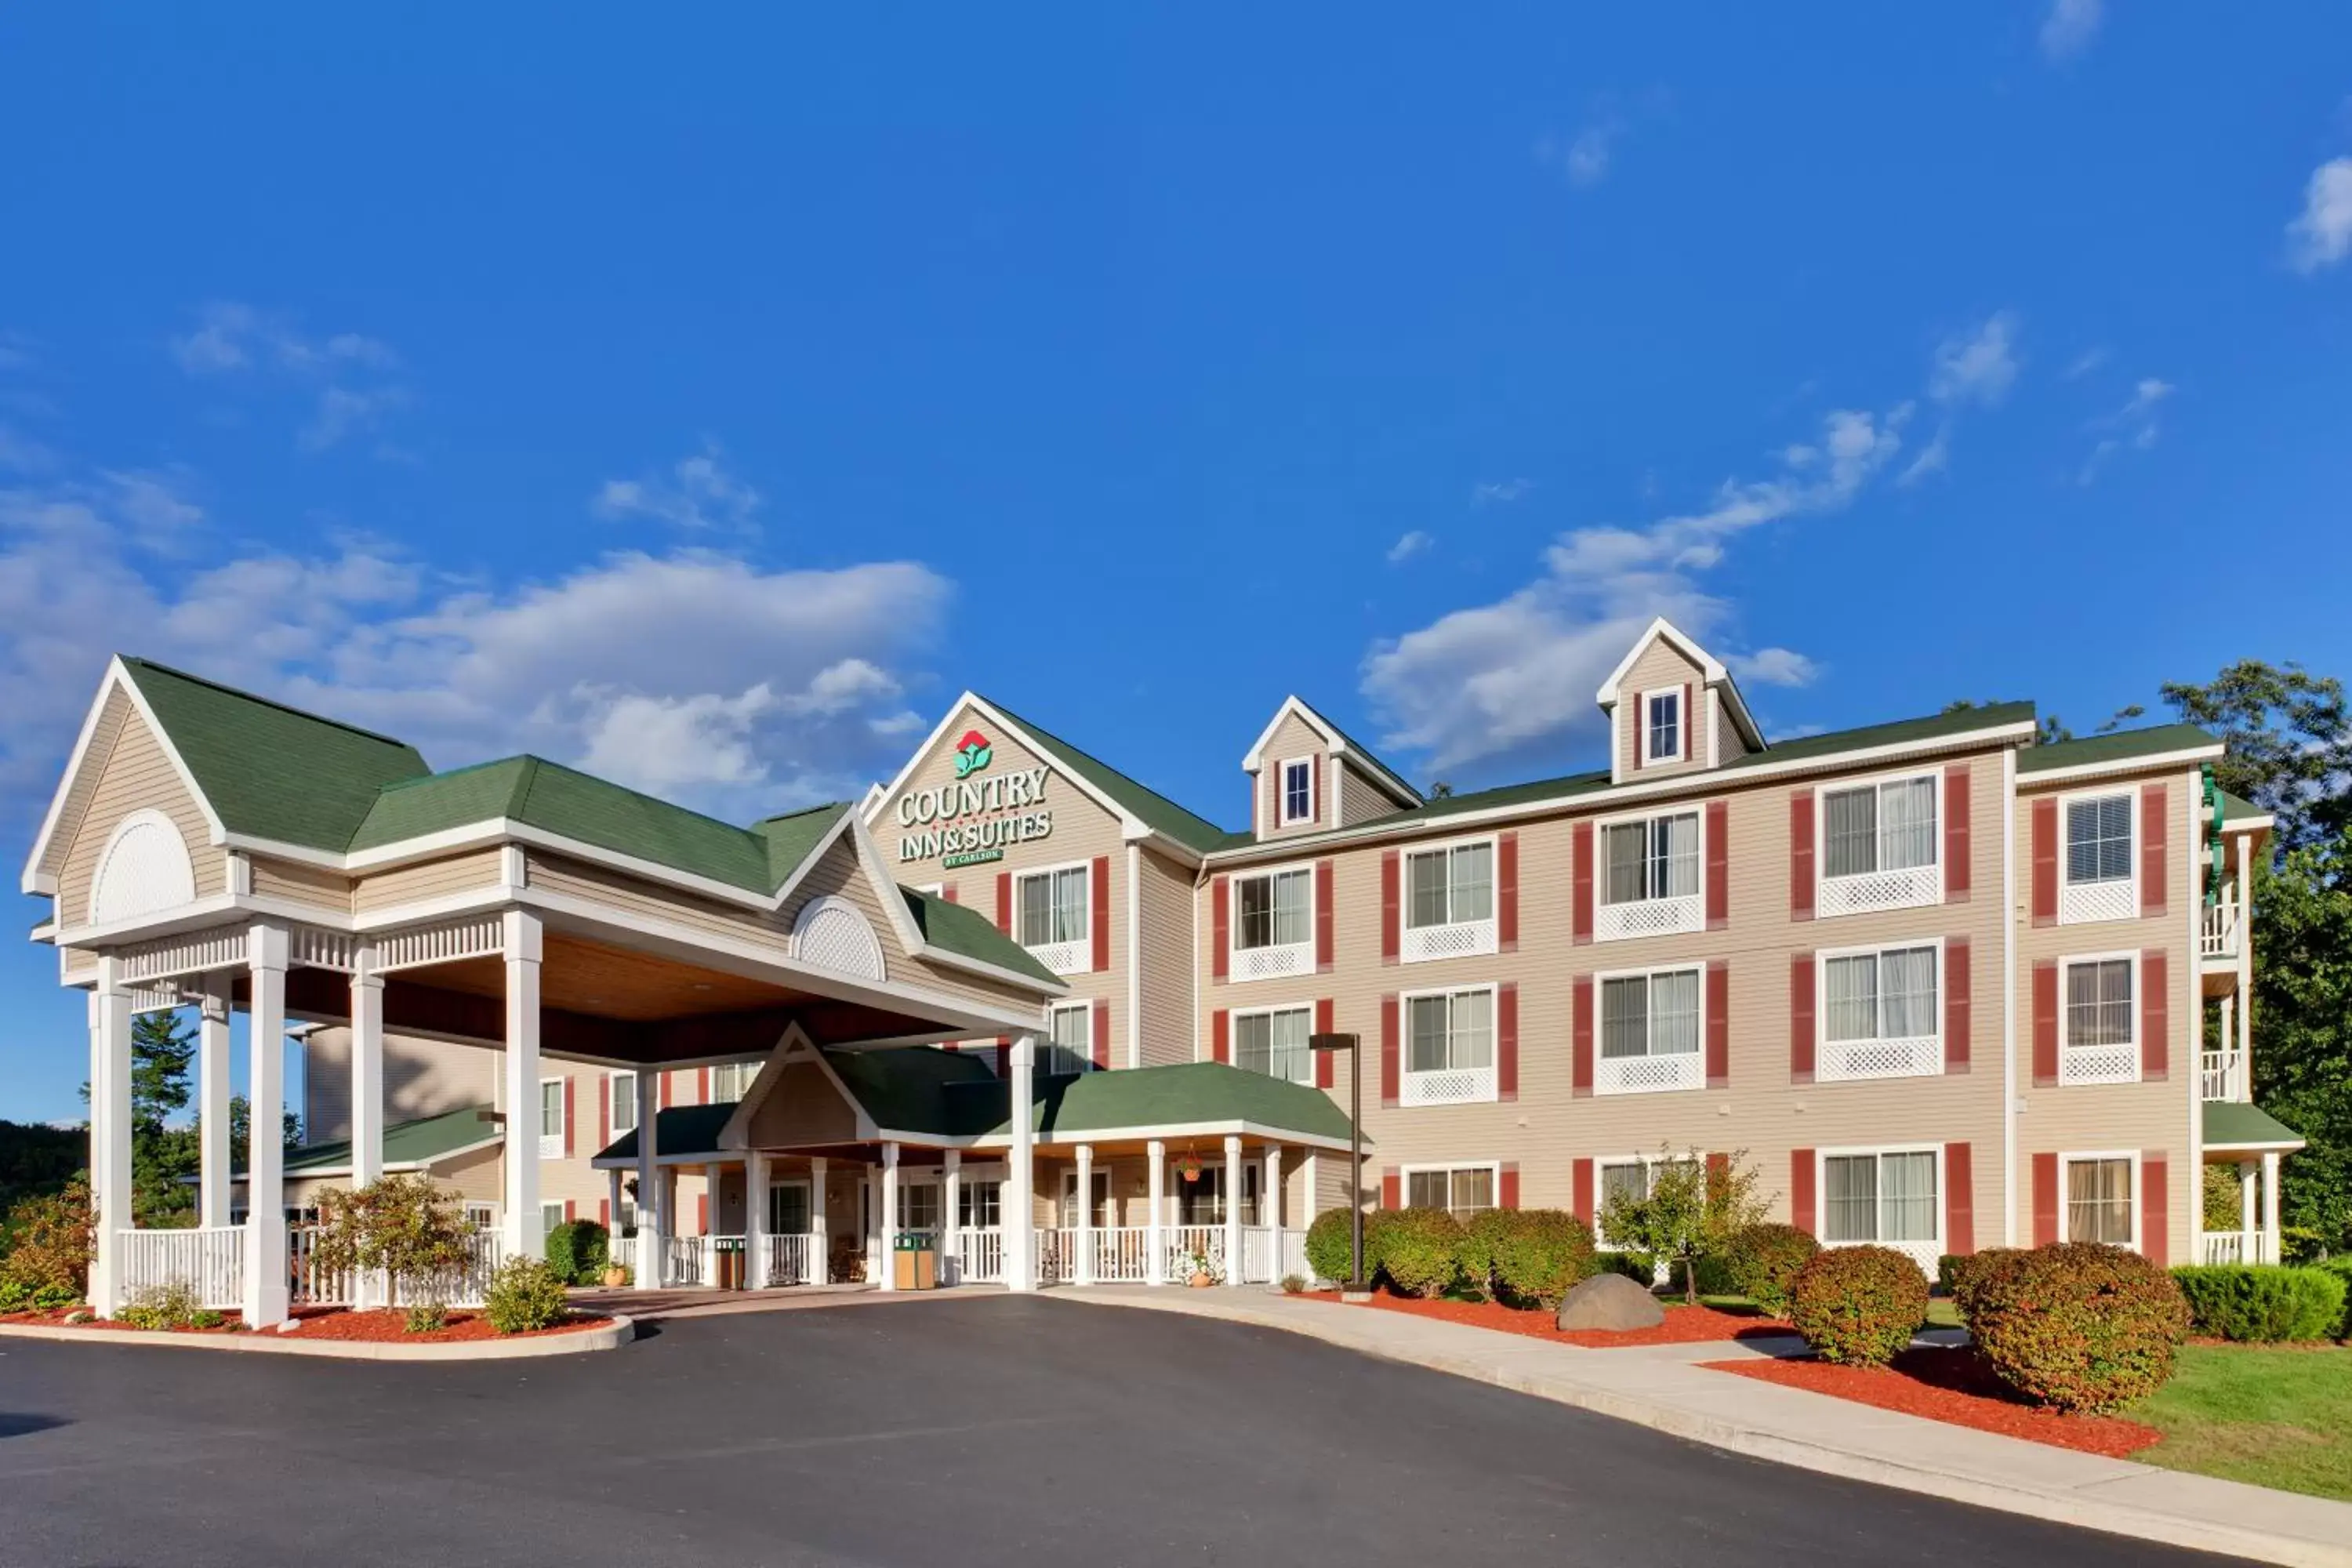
(993, 1430)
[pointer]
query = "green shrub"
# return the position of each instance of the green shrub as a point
(2342, 1268)
(1858, 1305)
(1763, 1262)
(1962, 1271)
(2261, 1302)
(429, 1318)
(577, 1250)
(525, 1294)
(1419, 1250)
(1639, 1266)
(2079, 1326)
(1538, 1256)
(1328, 1244)
(51, 1241)
(172, 1305)
(1294, 1284)
(1481, 1235)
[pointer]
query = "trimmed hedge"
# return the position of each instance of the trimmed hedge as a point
(1764, 1261)
(1960, 1272)
(2342, 1268)
(1858, 1305)
(2078, 1326)
(1328, 1244)
(1537, 1255)
(577, 1251)
(1421, 1251)
(2263, 1303)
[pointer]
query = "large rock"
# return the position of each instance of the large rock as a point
(1611, 1301)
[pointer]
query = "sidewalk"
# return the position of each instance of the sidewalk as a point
(1662, 1388)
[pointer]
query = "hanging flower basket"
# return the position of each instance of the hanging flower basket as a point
(1187, 1167)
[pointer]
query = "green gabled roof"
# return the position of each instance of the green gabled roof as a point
(267, 770)
(1184, 1094)
(1900, 733)
(968, 933)
(679, 1130)
(950, 1094)
(1528, 794)
(2120, 746)
(2237, 808)
(794, 836)
(2234, 1124)
(418, 1143)
(1155, 810)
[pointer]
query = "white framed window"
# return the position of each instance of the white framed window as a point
(788, 1208)
(1069, 1045)
(551, 1215)
(1273, 924)
(2098, 1024)
(1294, 786)
(1449, 901)
(1053, 916)
(1652, 876)
(1881, 847)
(1663, 728)
(979, 1204)
(2098, 869)
(1881, 1013)
(731, 1080)
(550, 1119)
(1272, 1040)
(1068, 1213)
(1653, 1029)
(1623, 1178)
(481, 1216)
(919, 1205)
(1461, 1190)
(1449, 1046)
(1201, 1201)
(620, 1102)
(2102, 1197)
(1884, 1197)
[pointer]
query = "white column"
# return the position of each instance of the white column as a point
(523, 1237)
(367, 1069)
(2229, 1037)
(755, 1220)
(612, 1207)
(648, 1268)
(110, 1135)
(1084, 1273)
(1155, 1239)
(886, 1259)
(1306, 1175)
(2248, 1170)
(952, 1216)
(265, 1294)
(1020, 1171)
(2271, 1207)
(1233, 1209)
(213, 1155)
(820, 1230)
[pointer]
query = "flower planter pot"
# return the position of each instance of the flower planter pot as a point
(1201, 1282)
(615, 1276)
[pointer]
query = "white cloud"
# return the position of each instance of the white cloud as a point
(1774, 666)
(1410, 546)
(238, 341)
(2087, 362)
(2321, 235)
(697, 493)
(1979, 367)
(1585, 157)
(342, 411)
(2068, 28)
(2133, 427)
(1499, 492)
(1933, 458)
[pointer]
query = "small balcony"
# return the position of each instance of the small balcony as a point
(2222, 1074)
(2219, 929)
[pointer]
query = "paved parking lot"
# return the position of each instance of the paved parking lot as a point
(989, 1430)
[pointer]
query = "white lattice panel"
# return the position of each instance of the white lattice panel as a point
(308, 947)
(1649, 1075)
(1447, 1085)
(1271, 962)
(144, 868)
(1464, 939)
(1904, 889)
(832, 932)
(193, 954)
(1927, 1255)
(477, 936)
(2098, 1064)
(1064, 957)
(2079, 903)
(1648, 917)
(1842, 1059)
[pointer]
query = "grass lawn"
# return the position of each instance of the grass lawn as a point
(2275, 1418)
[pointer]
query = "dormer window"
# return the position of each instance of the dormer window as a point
(1296, 780)
(1661, 726)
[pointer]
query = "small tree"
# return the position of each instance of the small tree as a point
(1695, 1205)
(50, 1239)
(401, 1226)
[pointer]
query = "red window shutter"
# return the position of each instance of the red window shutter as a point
(1003, 1057)
(1718, 865)
(1956, 1005)
(1506, 1184)
(702, 1086)
(1956, 834)
(1391, 875)
(1389, 1068)
(1718, 1176)
(1315, 788)
(702, 1213)
(1220, 1035)
(2045, 862)
(1718, 1023)
(1507, 891)
(2154, 1018)
(1507, 1044)
(1102, 1031)
(1324, 1073)
(571, 1122)
(1689, 726)
(1581, 1184)
(1960, 1200)
(1801, 855)
(604, 1106)
(1257, 802)
(604, 1213)
(1221, 924)
(1800, 1017)
(2155, 1209)
(667, 1090)
(1800, 1190)
(1004, 902)
(1392, 1188)
(2046, 1199)
(1101, 901)
(571, 1210)
(947, 892)
(1580, 874)
(1322, 917)
(1580, 1050)
(2155, 826)
(2045, 1022)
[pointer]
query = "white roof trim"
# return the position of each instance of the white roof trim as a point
(2035, 778)
(973, 701)
(1710, 666)
(38, 881)
(1334, 742)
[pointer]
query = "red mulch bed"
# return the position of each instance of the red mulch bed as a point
(1953, 1385)
(56, 1319)
(335, 1323)
(1684, 1325)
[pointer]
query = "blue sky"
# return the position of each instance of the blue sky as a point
(708, 401)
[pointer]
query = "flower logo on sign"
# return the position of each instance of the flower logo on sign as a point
(972, 753)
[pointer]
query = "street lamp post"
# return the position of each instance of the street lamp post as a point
(1352, 1045)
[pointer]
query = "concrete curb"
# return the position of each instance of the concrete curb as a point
(615, 1333)
(2134, 1520)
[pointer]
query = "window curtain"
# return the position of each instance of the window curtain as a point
(1850, 832)
(1908, 992)
(1909, 1203)
(1427, 872)
(1907, 823)
(2099, 1002)
(2098, 1200)
(1674, 1014)
(1293, 912)
(1472, 882)
(1850, 1197)
(1625, 1017)
(1628, 862)
(1852, 986)
(1427, 1046)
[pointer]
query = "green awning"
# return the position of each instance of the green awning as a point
(407, 1145)
(2233, 1124)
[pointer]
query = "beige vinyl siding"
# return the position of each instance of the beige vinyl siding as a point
(804, 1109)
(1661, 667)
(1165, 911)
(1293, 740)
(421, 1078)
(1730, 745)
(838, 874)
(81, 787)
(134, 773)
(476, 868)
(294, 883)
(2150, 1117)
(1360, 800)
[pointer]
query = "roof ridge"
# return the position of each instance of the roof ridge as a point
(1046, 737)
(142, 663)
(804, 811)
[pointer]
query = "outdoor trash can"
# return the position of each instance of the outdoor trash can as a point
(728, 1255)
(915, 1261)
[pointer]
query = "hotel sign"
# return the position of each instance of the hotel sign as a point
(974, 819)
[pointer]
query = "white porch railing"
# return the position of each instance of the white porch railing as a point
(684, 1260)
(1122, 1254)
(2217, 930)
(791, 1259)
(209, 1261)
(979, 1257)
(467, 1285)
(2222, 1074)
(2237, 1247)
